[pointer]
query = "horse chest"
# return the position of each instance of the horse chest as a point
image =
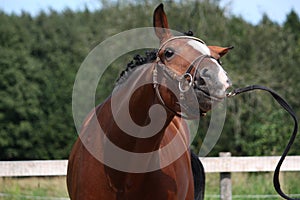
(165, 184)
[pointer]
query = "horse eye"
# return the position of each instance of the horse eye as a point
(169, 53)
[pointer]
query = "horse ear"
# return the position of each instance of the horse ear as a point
(160, 23)
(218, 52)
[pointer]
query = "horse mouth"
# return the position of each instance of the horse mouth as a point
(205, 102)
(206, 99)
(203, 96)
(205, 92)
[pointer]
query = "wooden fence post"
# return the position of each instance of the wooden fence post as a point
(225, 181)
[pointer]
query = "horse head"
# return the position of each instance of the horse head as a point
(193, 64)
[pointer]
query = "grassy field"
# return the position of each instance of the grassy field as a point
(33, 188)
(244, 186)
(254, 185)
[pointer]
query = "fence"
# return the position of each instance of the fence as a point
(225, 165)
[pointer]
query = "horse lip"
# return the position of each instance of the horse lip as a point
(214, 98)
(202, 87)
(208, 95)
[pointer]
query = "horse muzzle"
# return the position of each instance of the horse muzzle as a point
(211, 90)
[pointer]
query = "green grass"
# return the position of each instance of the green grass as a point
(244, 185)
(253, 185)
(25, 188)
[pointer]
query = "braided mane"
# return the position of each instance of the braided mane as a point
(139, 60)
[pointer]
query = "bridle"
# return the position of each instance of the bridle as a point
(185, 81)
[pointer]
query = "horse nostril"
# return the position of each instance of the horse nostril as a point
(201, 81)
(205, 73)
(229, 82)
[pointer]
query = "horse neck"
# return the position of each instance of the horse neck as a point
(130, 105)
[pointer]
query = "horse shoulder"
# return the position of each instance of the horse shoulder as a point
(86, 178)
(180, 168)
(177, 126)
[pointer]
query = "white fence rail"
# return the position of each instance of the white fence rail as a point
(223, 165)
(211, 165)
(33, 168)
(249, 164)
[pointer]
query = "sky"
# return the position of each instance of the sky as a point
(251, 10)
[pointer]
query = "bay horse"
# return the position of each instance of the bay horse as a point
(182, 70)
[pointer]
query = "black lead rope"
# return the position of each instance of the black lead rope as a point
(288, 108)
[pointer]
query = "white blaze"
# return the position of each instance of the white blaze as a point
(223, 78)
(222, 75)
(202, 48)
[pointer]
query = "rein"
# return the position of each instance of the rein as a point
(288, 108)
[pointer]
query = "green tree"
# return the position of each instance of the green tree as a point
(39, 58)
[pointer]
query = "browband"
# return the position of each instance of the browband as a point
(179, 37)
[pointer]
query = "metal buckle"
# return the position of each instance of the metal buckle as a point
(182, 84)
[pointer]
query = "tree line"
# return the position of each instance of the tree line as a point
(39, 58)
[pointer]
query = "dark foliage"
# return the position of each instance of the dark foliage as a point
(39, 58)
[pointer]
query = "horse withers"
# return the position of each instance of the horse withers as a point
(184, 70)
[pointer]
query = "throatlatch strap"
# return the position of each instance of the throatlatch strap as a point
(289, 109)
